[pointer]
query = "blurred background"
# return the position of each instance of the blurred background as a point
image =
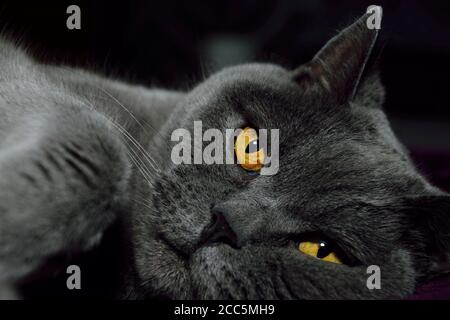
(174, 44)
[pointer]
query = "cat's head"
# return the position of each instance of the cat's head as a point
(345, 196)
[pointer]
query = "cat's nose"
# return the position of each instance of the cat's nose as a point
(219, 231)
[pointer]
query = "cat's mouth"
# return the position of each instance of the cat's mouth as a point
(219, 271)
(182, 254)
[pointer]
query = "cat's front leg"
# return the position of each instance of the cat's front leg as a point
(63, 181)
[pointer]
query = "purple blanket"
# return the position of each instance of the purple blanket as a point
(436, 167)
(436, 289)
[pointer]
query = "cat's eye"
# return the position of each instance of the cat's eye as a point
(320, 249)
(248, 151)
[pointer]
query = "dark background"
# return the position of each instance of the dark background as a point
(173, 44)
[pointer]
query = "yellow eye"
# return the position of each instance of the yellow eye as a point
(319, 249)
(248, 152)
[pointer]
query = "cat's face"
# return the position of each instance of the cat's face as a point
(343, 179)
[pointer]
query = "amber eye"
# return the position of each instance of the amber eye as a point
(248, 151)
(319, 249)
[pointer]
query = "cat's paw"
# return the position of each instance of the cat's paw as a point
(60, 189)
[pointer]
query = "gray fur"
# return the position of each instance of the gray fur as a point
(66, 177)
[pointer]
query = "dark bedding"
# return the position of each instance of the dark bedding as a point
(436, 166)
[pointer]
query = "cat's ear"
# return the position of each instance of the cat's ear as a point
(429, 220)
(339, 65)
(370, 91)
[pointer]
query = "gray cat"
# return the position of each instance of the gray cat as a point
(85, 161)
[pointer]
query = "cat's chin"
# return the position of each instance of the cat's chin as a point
(212, 269)
(222, 272)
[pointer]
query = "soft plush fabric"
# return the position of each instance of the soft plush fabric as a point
(436, 289)
(436, 166)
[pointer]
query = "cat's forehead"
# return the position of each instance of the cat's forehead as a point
(251, 71)
(263, 92)
(231, 83)
(267, 97)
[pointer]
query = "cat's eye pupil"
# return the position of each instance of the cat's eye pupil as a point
(324, 250)
(252, 146)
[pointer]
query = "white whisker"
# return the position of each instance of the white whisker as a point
(110, 95)
(141, 170)
(142, 203)
(152, 161)
(120, 104)
(134, 158)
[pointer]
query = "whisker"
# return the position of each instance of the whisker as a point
(144, 199)
(143, 169)
(142, 203)
(110, 95)
(131, 114)
(138, 162)
(125, 108)
(135, 142)
(147, 156)
(130, 137)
